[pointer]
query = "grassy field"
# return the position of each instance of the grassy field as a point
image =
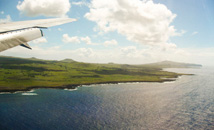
(23, 74)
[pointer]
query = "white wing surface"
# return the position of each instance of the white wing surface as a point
(42, 23)
(19, 33)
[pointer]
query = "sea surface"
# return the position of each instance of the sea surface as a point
(187, 103)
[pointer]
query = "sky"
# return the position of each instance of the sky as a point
(119, 31)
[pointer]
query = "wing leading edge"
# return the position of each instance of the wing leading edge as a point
(19, 33)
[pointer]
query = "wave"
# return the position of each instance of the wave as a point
(29, 94)
(67, 89)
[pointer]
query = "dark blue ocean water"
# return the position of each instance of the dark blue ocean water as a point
(187, 103)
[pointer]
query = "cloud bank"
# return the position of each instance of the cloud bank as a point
(126, 55)
(109, 43)
(40, 40)
(75, 39)
(80, 3)
(140, 21)
(51, 8)
(5, 20)
(67, 39)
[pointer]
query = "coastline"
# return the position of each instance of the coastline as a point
(21, 75)
(74, 86)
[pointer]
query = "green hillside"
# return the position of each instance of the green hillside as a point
(23, 74)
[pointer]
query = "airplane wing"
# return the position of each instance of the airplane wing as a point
(19, 33)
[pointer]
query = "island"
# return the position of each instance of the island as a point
(24, 74)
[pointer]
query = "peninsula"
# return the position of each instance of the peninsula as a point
(23, 74)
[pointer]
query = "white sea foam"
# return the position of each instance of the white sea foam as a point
(167, 82)
(67, 89)
(87, 86)
(92, 85)
(131, 82)
(31, 91)
(30, 94)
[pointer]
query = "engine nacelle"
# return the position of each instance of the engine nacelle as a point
(21, 37)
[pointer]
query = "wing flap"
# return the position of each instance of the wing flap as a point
(25, 45)
(16, 38)
(9, 44)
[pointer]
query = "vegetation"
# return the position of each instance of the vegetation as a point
(24, 74)
(171, 64)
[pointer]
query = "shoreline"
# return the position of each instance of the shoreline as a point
(74, 86)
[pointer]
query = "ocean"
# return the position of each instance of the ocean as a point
(187, 103)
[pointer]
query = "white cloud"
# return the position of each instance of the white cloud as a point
(194, 33)
(180, 33)
(40, 40)
(7, 19)
(67, 39)
(51, 53)
(130, 52)
(59, 29)
(140, 21)
(75, 39)
(111, 42)
(84, 52)
(2, 12)
(87, 40)
(53, 8)
(80, 3)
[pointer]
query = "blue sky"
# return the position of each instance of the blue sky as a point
(120, 31)
(193, 16)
